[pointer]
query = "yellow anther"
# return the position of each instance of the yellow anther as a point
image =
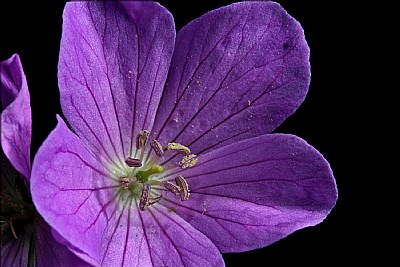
(178, 148)
(188, 161)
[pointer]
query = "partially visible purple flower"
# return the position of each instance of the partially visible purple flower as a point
(26, 239)
(172, 162)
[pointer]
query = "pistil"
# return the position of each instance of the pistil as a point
(143, 176)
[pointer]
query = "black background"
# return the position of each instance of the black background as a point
(325, 119)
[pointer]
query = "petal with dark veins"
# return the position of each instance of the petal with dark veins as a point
(101, 225)
(237, 72)
(114, 59)
(16, 116)
(156, 237)
(252, 193)
(72, 191)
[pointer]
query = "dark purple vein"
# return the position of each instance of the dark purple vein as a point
(218, 88)
(136, 87)
(235, 167)
(216, 217)
(103, 208)
(180, 226)
(79, 206)
(98, 108)
(231, 115)
(201, 163)
(95, 102)
(169, 238)
(152, 90)
(95, 136)
(144, 231)
(128, 227)
(244, 182)
(86, 163)
(190, 80)
(108, 78)
(113, 233)
(236, 113)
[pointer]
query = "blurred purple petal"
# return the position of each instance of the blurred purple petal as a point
(237, 72)
(71, 189)
(114, 59)
(15, 252)
(250, 194)
(36, 244)
(49, 252)
(16, 118)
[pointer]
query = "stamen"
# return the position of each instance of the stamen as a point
(183, 187)
(153, 200)
(125, 182)
(171, 187)
(157, 147)
(188, 161)
(145, 200)
(178, 148)
(141, 139)
(131, 162)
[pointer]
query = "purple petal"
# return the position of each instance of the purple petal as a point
(156, 237)
(50, 253)
(16, 118)
(252, 193)
(237, 72)
(114, 60)
(77, 251)
(99, 224)
(71, 189)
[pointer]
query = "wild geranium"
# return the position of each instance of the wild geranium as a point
(171, 161)
(26, 239)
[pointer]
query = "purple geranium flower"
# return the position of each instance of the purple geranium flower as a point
(26, 239)
(172, 162)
